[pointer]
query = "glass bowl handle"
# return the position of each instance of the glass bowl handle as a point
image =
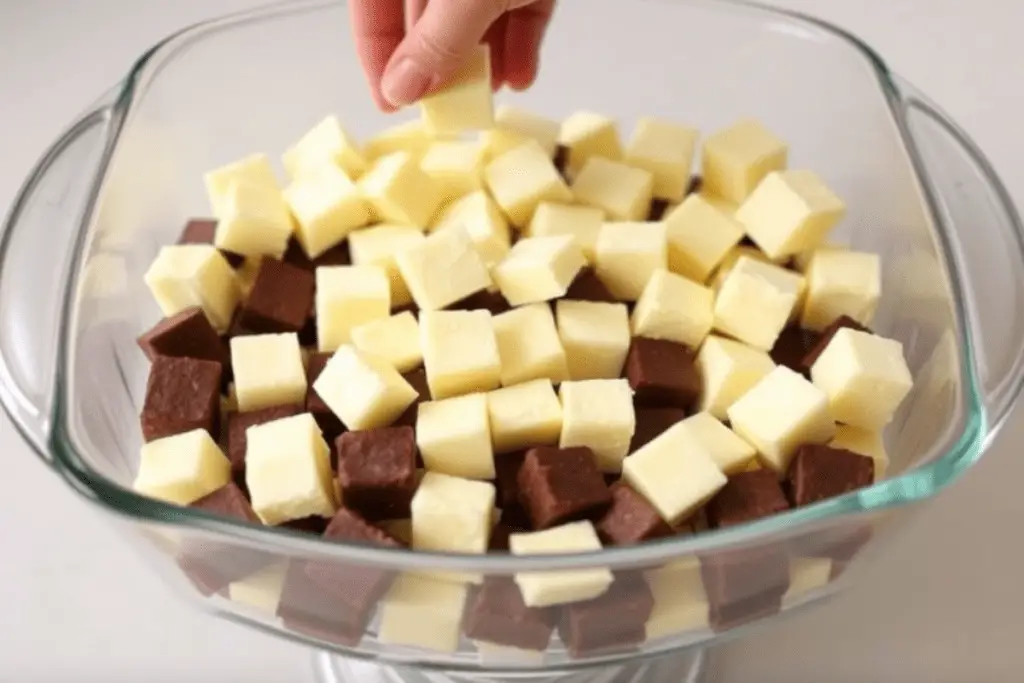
(37, 242)
(987, 244)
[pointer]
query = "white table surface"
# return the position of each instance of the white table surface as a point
(944, 605)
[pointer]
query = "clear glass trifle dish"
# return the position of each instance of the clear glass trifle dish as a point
(124, 178)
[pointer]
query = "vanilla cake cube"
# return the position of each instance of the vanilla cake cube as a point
(598, 414)
(781, 413)
(400, 192)
(327, 207)
(756, 300)
(587, 134)
(253, 220)
(514, 126)
(622, 192)
(464, 101)
(674, 308)
(731, 453)
(456, 166)
(538, 269)
(443, 269)
(268, 371)
(522, 178)
(260, 590)
(187, 275)
(363, 389)
(419, 611)
(544, 589)
(864, 376)
(524, 415)
(674, 473)
(481, 219)
(454, 437)
(460, 352)
(665, 149)
(288, 470)
(700, 236)
(254, 170)
(863, 442)
(410, 137)
(735, 160)
(680, 602)
(728, 370)
(806, 574)
(628, 254)
(595, 336)
(347, 297)
(802, 260)
(377, 246)
(452, 514)
(325, 143)
(396, 339)
(181, 469)
(529, 346)
(790, 212)
(582, 222)
(841, 282)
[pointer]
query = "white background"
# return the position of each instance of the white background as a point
(944, 604)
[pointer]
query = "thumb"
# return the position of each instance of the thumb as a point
(436, 45)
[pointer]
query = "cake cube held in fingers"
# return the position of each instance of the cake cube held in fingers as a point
(181, 469)
(454, 437)
(464, 101)
(700, 235)
(521, 179)
(736, 159)
(268, 371)
(587, 134)
(347, 297)
(524, 415)
(666, 150)
(622, 192)
(377, 246)
(538, 269)
(460, 352)
(728, 369)
(364, 390)
(325, 143)
(544, 589)
(598, 414)
(628, 254)
(480, 218)
(188, 275)
(529, 346)
(442, 270)
(595, 337)
(327, 206)
(674, 308)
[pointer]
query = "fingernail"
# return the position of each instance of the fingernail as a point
(406, 82)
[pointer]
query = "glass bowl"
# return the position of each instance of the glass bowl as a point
(122, 179)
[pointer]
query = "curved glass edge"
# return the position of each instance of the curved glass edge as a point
(916, 485)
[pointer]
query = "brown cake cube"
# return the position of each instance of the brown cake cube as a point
(662, 374)
(203, 231)
(631, 518)
(308, 525)
(561, 485)
(280, 300)
(187, 334)
(497, 614)
(239, 422)
(330, 424)
(482, 300)
(561, 161)
(820, 342)
(612, 621)
(652, 423)
(182, 394)
(696, 185)
(377, 471)
(588, 287)
(819, 472)
(746, 497)
(657, 210)
(744, 584)
(792, 347)
(506, 481)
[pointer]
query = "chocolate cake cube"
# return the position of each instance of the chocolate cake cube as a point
(238, 423)
(506, 481)
(792, 347)
(482, 300)
(204, 231)
(182, 394)
(561, 485)
(746, 497)
(662, 374)
(630, 519)
(657, 210)
(497, 614)
(377, 471)
(561, 161)
(587, 286)
(820, 472)
(744, 584)
(652, 423)
(187, 334)
(613, 621)
(820, 342)
(280, 300)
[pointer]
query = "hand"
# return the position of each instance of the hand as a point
(404, 65)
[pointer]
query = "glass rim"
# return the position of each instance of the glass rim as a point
(917, 484)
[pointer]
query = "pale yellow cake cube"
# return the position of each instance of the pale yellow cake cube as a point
(464, 101)
(863, 442)
(731, 453)
(253, 221)
(480, 218)
(756, 300)
(268, 371)
(377, 246)
(182, 468)
(841, 282)
(422, 612)
(187, 275)
(410, 137)
(522, 178)
(674, 473)
(802, 260)
(587, 134)
(700, 235)
(865, 377)
(806, 574)
(288, 470)
(327, 206)
(400, 192)
(680, 602)
(628, 254)
(538, 269)
(582, 222)
(347, 297)
(396, 339)
(529, 346)
(595, 336)
(326, 142)
(524, 415)
(261, 590)
(514, 126)
(456, 166)
(460, 352)
(622, 192)
(454, 436)
(443, 269)
(363, 389)
(254, 169)
(735, 160)
(790, 212)
(674, 308)
(729, 369)
(781, 413)
(665, 149)
(452, 514)
(544, 589)
(726, 206)
(598, 414)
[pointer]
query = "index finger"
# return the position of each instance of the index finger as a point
(378, 26)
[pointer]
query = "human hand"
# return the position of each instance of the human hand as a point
(404, 65)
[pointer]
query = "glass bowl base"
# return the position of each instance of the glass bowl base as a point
(690, 666)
